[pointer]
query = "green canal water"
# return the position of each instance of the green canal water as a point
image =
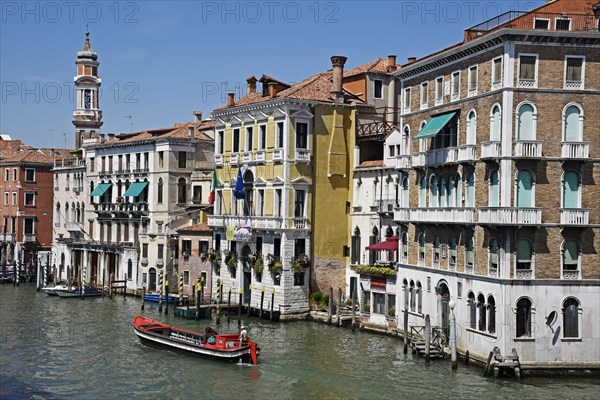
(52, 348)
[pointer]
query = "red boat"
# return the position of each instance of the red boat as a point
(228, 347)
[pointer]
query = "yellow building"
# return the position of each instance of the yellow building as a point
(289, 149)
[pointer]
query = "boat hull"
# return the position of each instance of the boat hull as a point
(173, 299)
(66, 294)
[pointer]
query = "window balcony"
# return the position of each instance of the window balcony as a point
(72, 227)
(528, 148)
(141, 171)
(573, 85)
(435, 264)
(472, 92)
(466, 152)
(301, 223)
(575, 150)
(510, 216)
(160, 262)
(527, 83)
(496, 85)
(452, 266)
(401, 214)
(469, 269)
(490, 149)
(260, 156)
(144, 261)
(247, 157)
(574, 216)
(7, 237)
(444, 215)
(524, 273)
(29, 237)
(493, 272)
(418, 160)
(277, 154)
(258, 222)
(303, 155)
(403, 161)
(570, 274)
(234, 159)
(219, 160)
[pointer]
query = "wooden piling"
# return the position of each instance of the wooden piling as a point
(198, 301)
(193, 299)
(201, 282)
(181, 289)
(339, 308)
(330, 307)
(166, 296)
(160, 293)
(143, 297)
(467, 357)
(240, 308)
(272, 303)
(354, 310)
(427, 334)
(219, 288)
(110, 284)
(262, 299)
(229, 306)
(249, 299)
(405, 327)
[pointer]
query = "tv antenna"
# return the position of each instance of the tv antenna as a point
(65, 135)
(130, 122)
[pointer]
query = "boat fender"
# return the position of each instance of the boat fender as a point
(211, 340)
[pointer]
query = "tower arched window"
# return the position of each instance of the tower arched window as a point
(571, 318)
(494, 193)
(573, 124)
(526, 122)
(159, 191)
(181, 191)
(495, 124)
(87, 99)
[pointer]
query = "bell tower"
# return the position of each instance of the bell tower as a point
(87, 116)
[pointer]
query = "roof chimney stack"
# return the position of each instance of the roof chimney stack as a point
(191, 131)
(230, 99)
(412, 59)
(198, 115)
(391, 67)
(272, 89)
(251, 85)
(337, 62)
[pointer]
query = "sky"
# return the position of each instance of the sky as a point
(161, 61)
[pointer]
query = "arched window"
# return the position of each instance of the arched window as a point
(58, 214)
(572, 124)
(181, 191)
(419, 297)
(406, 140)
(405, 287)
(412, 296)
(482, 312)
(423, 192)
(356, 246)
(452, 258)
(494, 200)
(491, 307)
(442, 191)
(159, 191)
(571, 318)
(493, 257)
(433, 195)
(470, 190)
(405, 193)
(372, 240)
(469, 253)
(73, 212)
(570, 259)
(471, 127)
(472, 310)
(421, 249)
(129, 270)
(524, 254)
(571, 190)
(523, 318)
(404, 247)
(524, 189)
(526, 122)
(249, 196)
(67, 212)
(495, 123)
(450, 192)
(458, 191)
(422, 142)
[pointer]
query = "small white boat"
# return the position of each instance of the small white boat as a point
(51, 290)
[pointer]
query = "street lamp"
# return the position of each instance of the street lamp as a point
(452, 304)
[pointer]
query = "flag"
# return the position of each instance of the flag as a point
(238, 191)
(213, 186)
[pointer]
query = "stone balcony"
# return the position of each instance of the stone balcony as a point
(575, 150)
(490, 149)
(443, 215)
(574, 216)
(277, 154)
(528, 148)
(219, 160)
(303, 155)
(510, 216)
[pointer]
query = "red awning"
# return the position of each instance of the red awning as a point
(390, 244)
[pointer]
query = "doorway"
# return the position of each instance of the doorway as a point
(443, 294)
(152, 280)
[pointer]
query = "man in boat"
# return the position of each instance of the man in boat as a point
(243, 335)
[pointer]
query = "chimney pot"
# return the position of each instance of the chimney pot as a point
(230, 99)
(272, 89)
(412, 59)
(198, 115)
(337, 62)
(391, 63)
(251, 85)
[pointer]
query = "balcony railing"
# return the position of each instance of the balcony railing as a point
(418, 160)
(375, 128)
(234, 159)
(384, 206)
(575, 150)
(573, 85)
(527, 83)
(443, 215)
(301, 223)
(493, 272)
(29, 237)
(574, 216)
(510, 216)
(570, 274)
(401, 214)
(259, 222)
(472, 92)
(260, 156)
(219, 160)
(303, 155)
(528, 148)
(469, 269)
(247, 157)
(496, 85)
(277, 154)
(466, 152)
(490, 149)
(524, 273)
(403, 161)
(7, 237)
(72, 227)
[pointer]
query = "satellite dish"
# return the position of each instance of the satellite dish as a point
(551, 319)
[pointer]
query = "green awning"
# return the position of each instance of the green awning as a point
(136, 188)
(434, 125)
(100, 189)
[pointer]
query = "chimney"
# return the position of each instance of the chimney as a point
(111, 136)
(391, 67)
(272, 89)
(198, 115)
(230, 99)
(412, 59)
(191, 131)
(250, 85)
(51, 152)
(337, 62)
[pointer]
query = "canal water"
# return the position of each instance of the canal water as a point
(52, 348)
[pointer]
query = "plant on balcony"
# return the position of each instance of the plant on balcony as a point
(274, 264)
(120, 199)
(391, 312)
(214, 257)
(230, 259)
(256, 262)
(203, 256)
(375, 270)
(301, 262)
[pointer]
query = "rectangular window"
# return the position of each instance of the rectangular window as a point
(279, 143)
(277, 247)
(6, 174)
(473, 80)
(301, 135)
(278, 202)
(424, 88)
(186, 247)
(182, 159)
(528, 71)
(299, 203)
(14, 198)
(262, 139)
(145, 250)
(14, 174)
(496, 72)
(379, 303)
(249, 134)
(160, 251)
(392, 150)
(29, 175)
(562, 24)
(378, 89)
(186, 277)
(203, 246)
(236, 140)
(29, 199)
(540, 23)
(6, 197)
(439, 90)
(260, 193)
(574, 72)
(29, 226)
(455, 85)
(161, 158)
(407, 100)
(220, 137)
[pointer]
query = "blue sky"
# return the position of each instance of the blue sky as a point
(160, 61)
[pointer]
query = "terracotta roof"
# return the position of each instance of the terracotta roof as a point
(16, 151)
(179, 131)
(378, 65)
(371, 164)
(202, 227)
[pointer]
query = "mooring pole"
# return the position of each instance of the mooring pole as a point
(198, 294)
(354, 310)
(39, 278)
(160, 291)
(166, 296)
(262, 299)
(330, 305)
(229, 305)
(181, 289)
(272, 303)
(19, 272)
(452, 304)
(339, 307)
(240, 308)
(110, 285)
(143, 297)
(427, 334)
(219, 287)
(14, 272)
(249, 299)
(405, 331)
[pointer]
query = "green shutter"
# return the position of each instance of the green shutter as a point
(523, 251)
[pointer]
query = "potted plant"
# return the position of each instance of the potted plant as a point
(230, 258)
(275, 263)
(301, 262)
(257, 263)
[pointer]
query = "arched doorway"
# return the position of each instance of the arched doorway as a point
(443, 297)
(247, 273)
(152, 280)
(248, 193)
